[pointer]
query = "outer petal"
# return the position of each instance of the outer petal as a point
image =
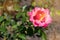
(47, 11)
(48, 19)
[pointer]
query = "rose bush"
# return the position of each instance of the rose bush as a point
(20, 22)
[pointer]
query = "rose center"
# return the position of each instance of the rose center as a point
(39, 15)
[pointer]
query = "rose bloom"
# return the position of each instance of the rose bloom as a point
(40, 17)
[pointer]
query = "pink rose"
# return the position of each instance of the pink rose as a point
(40, 17)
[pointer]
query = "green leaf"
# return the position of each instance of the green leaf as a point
(7, 23)
(20, 28)
(43, 36)
(22, 36)
(3, 27)
(39, 33)
(24, 17)
(1, 18)
(18, 15)
(13, 22)
(23, 20)
(14, 26)
(23, 9)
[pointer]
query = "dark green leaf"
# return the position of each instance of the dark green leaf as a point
(39, 33)
(22, 29)
(30, 31)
